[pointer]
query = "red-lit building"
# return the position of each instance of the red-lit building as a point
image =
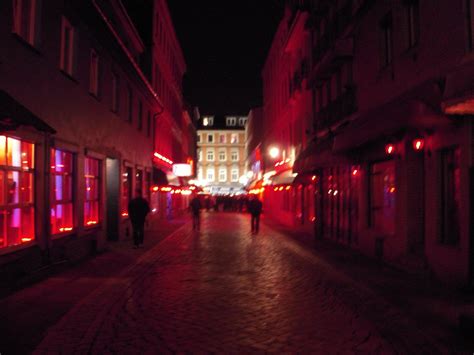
(287, 117)
(81, 116)
(390, 150)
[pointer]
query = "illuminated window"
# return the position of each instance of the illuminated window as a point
(210, 174)
(230, 121)
(68, 48)
(200, 174)
(17, 223)
(222, 174)
(115, 93)
(234, 175)
(199, 154)
(92, 191)
(242, 121)
(450, 196)
(61, 193)
(210, 155)
(382, 197)
(234, 138)
(94, 73)
(221, 138)
(386, 40)
(26, 20)
(222, 155)
(126, 190)
(234, 155)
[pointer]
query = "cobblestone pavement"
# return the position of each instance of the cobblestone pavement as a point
(224, 289)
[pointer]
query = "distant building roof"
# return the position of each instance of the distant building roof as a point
(230, 122)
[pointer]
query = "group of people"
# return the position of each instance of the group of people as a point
(254, 206)
(138, 209)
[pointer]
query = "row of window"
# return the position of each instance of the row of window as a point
(222, 174)
(234, 155)
(17, 181)
(229, 121)
(222, 138)
(26, 24)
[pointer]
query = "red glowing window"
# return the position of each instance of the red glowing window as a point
(126, 190)
(92, 191)
(382, 196)
(61, 193)
(17, 223)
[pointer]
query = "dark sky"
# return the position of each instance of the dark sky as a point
(225, 44)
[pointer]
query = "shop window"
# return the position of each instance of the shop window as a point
(450, 196)
(26, 20)
(68, 47)
(92, 191)
(126, 190)
(382, 197)
(17, 223)
(61, 179)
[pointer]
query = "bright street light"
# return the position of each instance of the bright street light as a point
(274, 152)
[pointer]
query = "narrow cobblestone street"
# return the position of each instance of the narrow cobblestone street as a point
(224, 289)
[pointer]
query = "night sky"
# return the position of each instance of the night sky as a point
(225, 44)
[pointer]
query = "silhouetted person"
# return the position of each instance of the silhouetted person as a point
(138, 209)
(255, 209)
(195, 206)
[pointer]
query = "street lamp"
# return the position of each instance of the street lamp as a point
(274, 152)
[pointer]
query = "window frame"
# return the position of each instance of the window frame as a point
(27, 24)
(54, 203)
(94, 73)
(386, 43)
(68, 59)
(9, 208)
(210, 151)
(98, 184)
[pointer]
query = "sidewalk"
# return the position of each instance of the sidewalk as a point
(26, 315)
(434, 304)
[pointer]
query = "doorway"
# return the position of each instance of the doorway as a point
(112, 193)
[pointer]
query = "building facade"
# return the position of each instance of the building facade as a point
(389, 158)
(79, 116)
(221, 153)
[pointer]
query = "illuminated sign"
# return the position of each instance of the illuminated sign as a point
(182, 169)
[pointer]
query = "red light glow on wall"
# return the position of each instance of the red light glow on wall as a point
(418, 144)
(389, 149)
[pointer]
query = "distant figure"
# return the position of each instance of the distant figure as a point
(195, 206)
(138, 209)
(255, 209)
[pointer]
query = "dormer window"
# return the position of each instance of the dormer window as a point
(208, 121)
(231, 121)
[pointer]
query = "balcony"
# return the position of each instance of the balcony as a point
(337, 110)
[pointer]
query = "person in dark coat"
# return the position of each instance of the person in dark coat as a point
(255, 209)
(138, 209)
(195, 206)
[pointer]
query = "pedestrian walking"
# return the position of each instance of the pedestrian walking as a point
(138, 209)
(255, 209)
(195, 206)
